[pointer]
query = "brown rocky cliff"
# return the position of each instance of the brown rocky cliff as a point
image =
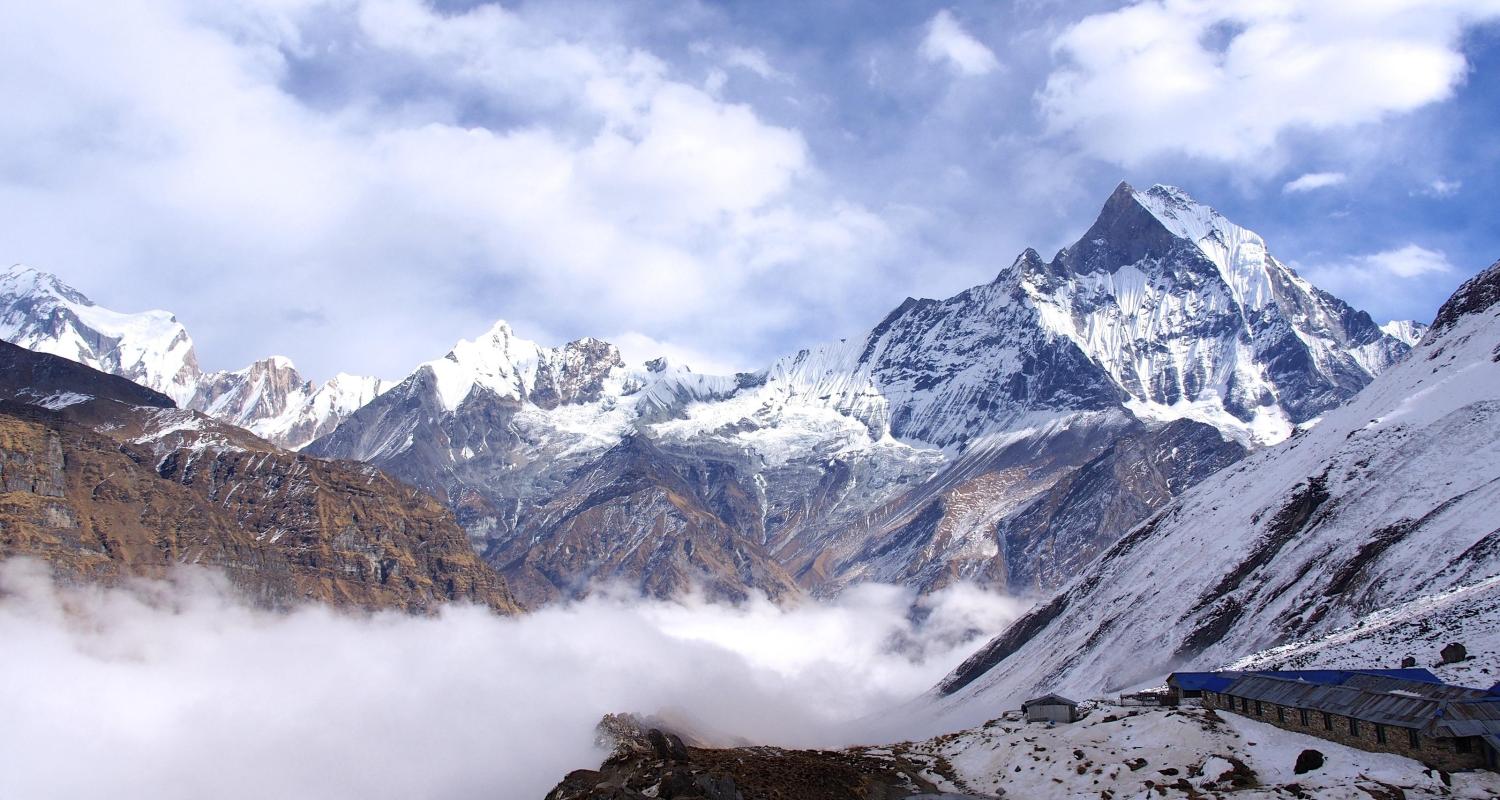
(284, 528)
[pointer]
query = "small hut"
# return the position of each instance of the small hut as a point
(1050, 708)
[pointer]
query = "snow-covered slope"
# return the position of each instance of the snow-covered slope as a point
(1391, 497)
(41, 313)
(1468, 615)
(1006, 434)
(1176, 753)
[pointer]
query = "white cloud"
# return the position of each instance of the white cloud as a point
(947, 41)
(1225, 80)
(1314, 180)
(1410, 261)
(156, 156)
(175, 691)
(1443, 188)
(637, 348)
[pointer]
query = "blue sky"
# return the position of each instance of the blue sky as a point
(358, 183)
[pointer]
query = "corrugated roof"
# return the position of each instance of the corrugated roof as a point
(1441, 710)
(1203, 681)
(1048, 700)
(1219, 681)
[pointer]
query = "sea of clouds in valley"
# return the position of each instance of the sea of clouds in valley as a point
(167, 689)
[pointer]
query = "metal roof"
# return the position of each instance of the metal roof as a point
(1441, 710)
(1048, 700)
(1203, 681)
(1219, 681)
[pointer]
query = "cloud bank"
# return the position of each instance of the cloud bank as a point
(416, 174)
(174, 690)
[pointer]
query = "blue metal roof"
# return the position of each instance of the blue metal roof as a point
(1203, 681)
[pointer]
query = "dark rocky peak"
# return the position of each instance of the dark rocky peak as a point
(1126, 232)
(34, 377)
(1476, 296)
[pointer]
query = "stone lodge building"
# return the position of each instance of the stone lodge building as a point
(1448, 727)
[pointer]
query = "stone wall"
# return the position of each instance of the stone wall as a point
(1435, 752)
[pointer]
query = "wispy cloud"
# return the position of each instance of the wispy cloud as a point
(1383, 281)
(947, 42)
(1442, 188)
(1314, 180)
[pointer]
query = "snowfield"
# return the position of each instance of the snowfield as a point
(1121, 753)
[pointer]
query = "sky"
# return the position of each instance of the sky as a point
(357, 184)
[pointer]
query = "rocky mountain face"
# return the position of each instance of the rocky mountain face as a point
(41, 313)
(1007, 434)
(102, 478)
(1388, 503)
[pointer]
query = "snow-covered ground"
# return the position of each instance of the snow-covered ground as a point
(1123, 753)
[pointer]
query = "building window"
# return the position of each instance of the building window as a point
(1244, 704)
(1353, 726)
(1327, 721)
(1380, 733)
(1258, 710)
(1461, 744)
(1411, 739)
(1280, 714)
(1302, 716)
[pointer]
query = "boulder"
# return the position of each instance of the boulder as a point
(1307, 761)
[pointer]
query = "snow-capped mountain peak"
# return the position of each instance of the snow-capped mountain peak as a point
(1405, 330)
(519, 369)
(270, 398)
(40, 312)
(1192, 317)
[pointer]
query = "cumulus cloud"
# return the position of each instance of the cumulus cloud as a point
(421, 173)
(175, 690)
(947, 42)
(1314, 180)
(1225, 80)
